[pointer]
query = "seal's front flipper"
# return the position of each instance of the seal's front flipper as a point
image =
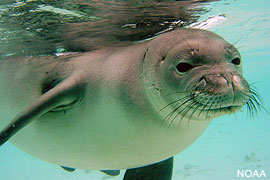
(111, 172)
(68, 169)
(158, 171)
(60, 96)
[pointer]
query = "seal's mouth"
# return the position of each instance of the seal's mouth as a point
(218, 103)
(226, 108)
(209, 107)
(221, 110)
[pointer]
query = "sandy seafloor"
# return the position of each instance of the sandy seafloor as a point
(230, 143)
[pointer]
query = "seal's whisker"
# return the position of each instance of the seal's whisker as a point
(189, 84)
(192, 49)
(236, 42)
(176, 93)
(188, 110)
(207, 111)
(239, 47)
(220, 105)
(185, 110)
(250, 111)
(205, 106)
(254, 103)
(178, 113)
(186, 98)
(255, 98)
(189, 107)
(257, 102)
(246, 94)
(254, 91)
(194, 110)
(199, 104)
(252, 84)
(180, 99)
(175, 110)
(253, 106)
(257, 95)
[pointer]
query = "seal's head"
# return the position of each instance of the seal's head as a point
(201, 72)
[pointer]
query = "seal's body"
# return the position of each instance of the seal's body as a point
(121, 108)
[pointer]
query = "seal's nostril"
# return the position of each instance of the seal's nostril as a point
(201, 78)
(227, 78)
(201, 85)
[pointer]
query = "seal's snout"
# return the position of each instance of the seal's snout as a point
(222, 90)
(241, 89)
(214, 84)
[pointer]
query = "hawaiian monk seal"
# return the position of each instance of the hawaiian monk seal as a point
(121, 108)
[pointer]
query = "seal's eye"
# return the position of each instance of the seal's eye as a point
(183, 67)
(236, 61)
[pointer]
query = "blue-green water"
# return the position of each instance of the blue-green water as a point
(229, 144)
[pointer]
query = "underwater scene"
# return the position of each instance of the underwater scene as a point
(232, 147)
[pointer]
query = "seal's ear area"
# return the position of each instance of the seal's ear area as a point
(64, 94)
(159, 171)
